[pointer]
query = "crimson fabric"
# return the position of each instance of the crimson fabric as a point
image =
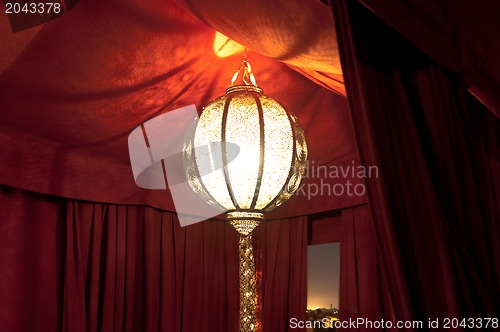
(79, 266)
(299, 33)
(71, 94)
(324, 227)
(133, 268)
(281, 265)
(361, 294)
(435, 204)
(462, 36)
(31, 261)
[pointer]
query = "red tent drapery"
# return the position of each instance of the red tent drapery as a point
(459, 35)
(80, 266)
(435, 205)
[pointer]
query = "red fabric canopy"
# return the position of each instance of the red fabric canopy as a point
(73, 89)
(71, 94)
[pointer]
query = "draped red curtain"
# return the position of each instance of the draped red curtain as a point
(360, 289)
(435, 204)
(462, 36)
(76, 266)
(133, 268)
(31, 261)
(281, 265)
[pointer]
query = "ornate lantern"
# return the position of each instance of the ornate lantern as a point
(263, 175)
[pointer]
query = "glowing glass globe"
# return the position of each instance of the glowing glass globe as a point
(261, 150)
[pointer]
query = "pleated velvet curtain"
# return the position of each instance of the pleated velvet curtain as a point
(77, 266)
(435, 205)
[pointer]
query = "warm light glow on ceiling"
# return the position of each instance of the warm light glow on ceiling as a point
(224, 46)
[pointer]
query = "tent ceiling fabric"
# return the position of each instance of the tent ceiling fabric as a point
(70, 98)
(299, 33)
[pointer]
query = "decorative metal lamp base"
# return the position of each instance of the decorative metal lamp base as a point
(248, 285)
(248, 280)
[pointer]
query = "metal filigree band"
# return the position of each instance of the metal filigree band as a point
(248, 293)
(245, 221)
(244, 226)
(249, 88)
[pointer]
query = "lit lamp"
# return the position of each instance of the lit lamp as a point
(263, 175)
